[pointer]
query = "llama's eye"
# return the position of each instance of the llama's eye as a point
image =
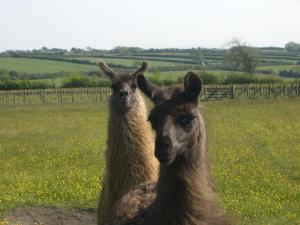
(115, 88)
(133, 86)
(185, 120)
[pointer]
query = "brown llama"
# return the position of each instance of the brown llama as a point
(183, 194)
(130, 143)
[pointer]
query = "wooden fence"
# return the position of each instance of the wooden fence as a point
(67, 95)
(251, 91)
(210, 92)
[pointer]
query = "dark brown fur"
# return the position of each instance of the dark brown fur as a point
(183, 194)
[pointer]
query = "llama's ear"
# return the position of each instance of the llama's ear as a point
(141, 70)
(192, 86)
(151, 90)
(107, 70)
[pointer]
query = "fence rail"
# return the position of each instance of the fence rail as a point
(250, 91)
(67, 95)
(210, 92)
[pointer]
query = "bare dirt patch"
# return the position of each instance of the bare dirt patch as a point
(50, 216)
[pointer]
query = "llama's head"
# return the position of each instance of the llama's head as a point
(175, 117)
(124, 86)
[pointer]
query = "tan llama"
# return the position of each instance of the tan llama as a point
(130, 144)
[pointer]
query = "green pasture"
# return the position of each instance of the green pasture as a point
(42, 66)
(222, 74)
(277, 68)
(133, 62)
(49, 66)
(53, 155)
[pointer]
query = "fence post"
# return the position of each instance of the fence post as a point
(24, 97)
(45, 96)
(260, 91)
(247, 90)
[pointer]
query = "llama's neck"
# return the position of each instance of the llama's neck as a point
(125, 123)
(184, 195)
(130, 146)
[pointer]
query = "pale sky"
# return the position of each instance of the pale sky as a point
(28, 24)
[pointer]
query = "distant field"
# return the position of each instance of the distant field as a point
(129, 62)
(42, 66)
(217, 55)
(49, 66)
(220, 73)
(53, 155)
(276, 68)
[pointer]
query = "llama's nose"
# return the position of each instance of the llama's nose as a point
(164, 150)
(123, 93)
(163, 142)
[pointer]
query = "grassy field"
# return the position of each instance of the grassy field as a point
(49, 66)
(222, 74)
(255, 148)
(42, 66)
(131, 62)
(53, 155)
(276, 68)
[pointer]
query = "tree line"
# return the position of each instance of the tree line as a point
(124, 50)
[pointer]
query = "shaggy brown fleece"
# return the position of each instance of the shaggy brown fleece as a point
(183, 195)
(129, 155)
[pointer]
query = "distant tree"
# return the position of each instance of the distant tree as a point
(292, 47)
(13, 75)
(59, 50)
(122, 50)
(197, 55)
(241, 57)
(77, 50)
(44, 49)
(135, 50)
(36, 51)
(89, 49)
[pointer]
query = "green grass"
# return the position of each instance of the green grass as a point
(223, 74)
(131, 62)
(174, 75)
(276, 69)
(49, 66)
(256, 153)
(42, 66)
(53, 155)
